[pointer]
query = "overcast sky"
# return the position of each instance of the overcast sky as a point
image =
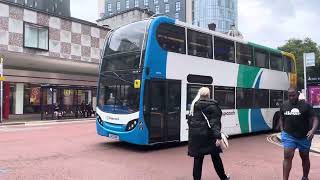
(266, 22)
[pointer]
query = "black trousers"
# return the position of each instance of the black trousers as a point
(217, 163)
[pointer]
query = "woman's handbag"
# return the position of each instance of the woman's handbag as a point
(224, 137)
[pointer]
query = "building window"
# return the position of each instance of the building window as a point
(167, 8)
(178, 6)
(199, 44)
(109, 7)
(223, 49)
(118, 6)
(146, 2)
(225, 97)
(127, 4)
(136, 3)
(36, 36)
(157, 9)
(171, 38)
(156, 1)
(177, 16)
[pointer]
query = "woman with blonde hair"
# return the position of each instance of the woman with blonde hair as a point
(204, 133)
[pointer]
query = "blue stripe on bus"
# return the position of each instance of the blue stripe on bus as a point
(257, 85)
(257, 121)
(156, 62)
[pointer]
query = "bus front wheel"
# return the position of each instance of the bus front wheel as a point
(276, 122)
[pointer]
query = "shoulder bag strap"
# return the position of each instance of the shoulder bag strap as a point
(206, 119)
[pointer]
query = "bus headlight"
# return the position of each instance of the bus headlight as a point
(99, 120)
(131, 124)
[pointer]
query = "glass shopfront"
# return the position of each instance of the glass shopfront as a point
(52, 102)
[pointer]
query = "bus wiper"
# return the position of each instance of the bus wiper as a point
(117, 75)
(121, 78)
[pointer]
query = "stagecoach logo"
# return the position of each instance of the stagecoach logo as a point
(293, 112)
(228, 113)
(112, 118)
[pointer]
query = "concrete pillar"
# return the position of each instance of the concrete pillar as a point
(19, 94)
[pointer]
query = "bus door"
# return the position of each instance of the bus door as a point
(162, 110)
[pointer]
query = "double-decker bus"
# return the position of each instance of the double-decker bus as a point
(151, 70)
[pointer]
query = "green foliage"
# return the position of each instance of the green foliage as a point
(297, 47)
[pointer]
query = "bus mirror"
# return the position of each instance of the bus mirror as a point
(137, 84)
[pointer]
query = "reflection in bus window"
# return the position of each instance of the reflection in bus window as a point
(244, 54)
(223, 49)
(276, 98)
(261, 98)
(192, 91)
(276, 62)
(244, 98)
(199, 44)
(171, 38)
(261, 58)
(288, 64)
(225, 97)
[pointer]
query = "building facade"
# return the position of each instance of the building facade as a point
(172, 8)
(223, 13)
(124, 17)
(59, 7)
(48, 60)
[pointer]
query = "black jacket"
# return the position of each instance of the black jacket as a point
(201, 138)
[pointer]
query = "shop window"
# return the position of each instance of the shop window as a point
(31, 102)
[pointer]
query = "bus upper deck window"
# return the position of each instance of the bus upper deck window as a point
(288, 64)
(171, 38)
(244, 54)
(224, 50)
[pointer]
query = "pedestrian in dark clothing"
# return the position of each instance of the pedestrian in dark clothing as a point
(298, 124)
(205, 136)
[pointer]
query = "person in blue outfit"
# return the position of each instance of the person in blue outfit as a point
(298, 124)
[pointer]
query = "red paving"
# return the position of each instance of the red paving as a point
(76, 152)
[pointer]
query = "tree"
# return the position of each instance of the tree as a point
(297, 47)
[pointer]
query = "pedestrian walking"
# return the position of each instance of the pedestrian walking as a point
(298, 124)
(205, 133)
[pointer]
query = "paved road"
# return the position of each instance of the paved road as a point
(75, 152)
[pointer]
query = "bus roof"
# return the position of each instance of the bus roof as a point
(215, 33)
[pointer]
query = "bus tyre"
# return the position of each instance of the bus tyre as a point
(276, 122)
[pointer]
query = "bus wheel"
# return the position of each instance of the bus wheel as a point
(276, 122)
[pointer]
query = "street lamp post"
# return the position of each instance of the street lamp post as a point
(1, 89)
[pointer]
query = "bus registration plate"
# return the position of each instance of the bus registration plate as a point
(113, 136)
